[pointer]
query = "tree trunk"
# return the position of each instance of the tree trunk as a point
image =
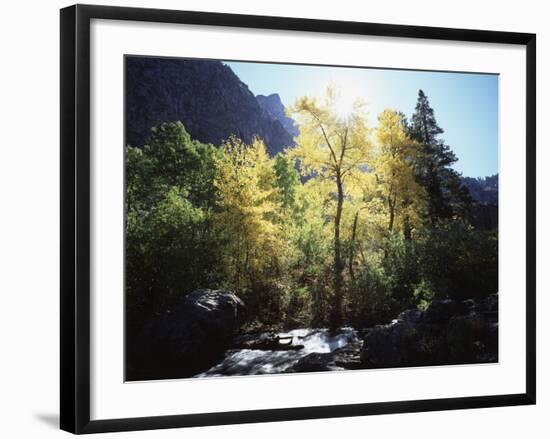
(407, 228)
(352, 246)
(391, 205)
(336, 314)
(432, 187)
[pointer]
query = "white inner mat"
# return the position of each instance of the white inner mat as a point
(112, 398)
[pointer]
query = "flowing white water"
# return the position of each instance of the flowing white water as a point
(255, 361)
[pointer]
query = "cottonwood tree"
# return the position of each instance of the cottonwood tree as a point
(248, 212)
(393, 168)
(332, 146)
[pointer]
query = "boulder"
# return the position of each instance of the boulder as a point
(464, 335)
(266, 342)
(467, 306)
(390, 345)
(349, 356)
(344, 358)
(188, 340)
(412, 316)
(490, 337)
(315, 362)
(447, 332)
(489, 307)
(440, 311)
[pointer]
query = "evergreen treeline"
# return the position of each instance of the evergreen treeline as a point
(349, 227)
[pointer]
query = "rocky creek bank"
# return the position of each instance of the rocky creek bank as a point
(198, 338)
(447, 332)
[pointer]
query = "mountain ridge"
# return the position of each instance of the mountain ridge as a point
(482, 189)
(206, 96)
(273, 105)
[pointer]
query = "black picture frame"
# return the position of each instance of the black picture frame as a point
(75, 217)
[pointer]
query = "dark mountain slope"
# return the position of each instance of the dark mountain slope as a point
(206, 96)
(483, 190)
(274, 107)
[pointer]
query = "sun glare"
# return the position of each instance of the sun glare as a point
(347, 94)
(344, 105)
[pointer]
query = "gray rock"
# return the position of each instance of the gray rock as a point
(466, 306)
(489, 305)
(464, 334)
(315, 362)
(391, 345)
(412, 316)
(440, 311)
(187, 340)
(490, 337)
(448, 332)
(349, 356)
(492, 303)
(344, 358)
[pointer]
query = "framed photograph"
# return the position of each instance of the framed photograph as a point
(268, 219)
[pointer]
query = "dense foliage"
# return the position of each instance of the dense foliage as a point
(351, 226)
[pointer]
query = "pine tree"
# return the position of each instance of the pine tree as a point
(446, 196)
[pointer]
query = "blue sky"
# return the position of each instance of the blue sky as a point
(465, 104)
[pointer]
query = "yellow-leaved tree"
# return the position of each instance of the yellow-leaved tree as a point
(403, 197)
(332, 147)
(248, 214)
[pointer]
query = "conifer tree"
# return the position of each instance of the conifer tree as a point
(446, 196)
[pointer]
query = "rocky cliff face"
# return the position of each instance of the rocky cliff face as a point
(274, 107)
(206, 96)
